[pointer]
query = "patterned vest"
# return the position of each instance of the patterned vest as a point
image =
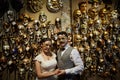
(64, 61)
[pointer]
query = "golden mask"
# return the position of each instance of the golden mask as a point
(77, 38)
(104, 22)
(90, 22)
(76, 14)
(92, 12)
(102, 12)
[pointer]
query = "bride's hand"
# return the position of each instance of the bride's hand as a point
(61, 72)
(56, 71)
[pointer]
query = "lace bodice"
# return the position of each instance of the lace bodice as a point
(47, 65)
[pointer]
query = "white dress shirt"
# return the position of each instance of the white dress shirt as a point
(76, 58)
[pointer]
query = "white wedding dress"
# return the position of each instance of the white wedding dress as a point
(47, 65)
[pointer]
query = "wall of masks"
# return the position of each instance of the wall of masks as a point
(22, 25)
(96, 34)
(93, 28)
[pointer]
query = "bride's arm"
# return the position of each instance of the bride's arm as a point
(43, 75)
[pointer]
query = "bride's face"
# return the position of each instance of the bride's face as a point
(46, 46)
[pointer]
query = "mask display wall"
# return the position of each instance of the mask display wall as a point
(93, 30)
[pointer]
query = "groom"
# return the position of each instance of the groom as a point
(69, 59)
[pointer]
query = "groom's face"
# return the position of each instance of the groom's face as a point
(62, 40)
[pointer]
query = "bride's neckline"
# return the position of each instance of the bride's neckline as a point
(47, 57)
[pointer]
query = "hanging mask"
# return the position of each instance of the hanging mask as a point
(84, 28)
(43, 29)
(93, 44)
(42, 17)
(92, 12)
(38, 36)
(81, 49)
(26, 63)
(88, 62)
(58, 22)
(6, 45)
(77, 15)
(113, 70)
(96, 35)
(106, 35)
(36, 24)
(10, 15)
(54, 5)
(114, 14)
(77, 38)
(21, 72)
(35, 5)
(102, 13)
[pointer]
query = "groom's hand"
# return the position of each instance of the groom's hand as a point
(61, 72)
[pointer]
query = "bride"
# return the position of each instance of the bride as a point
(45, 62)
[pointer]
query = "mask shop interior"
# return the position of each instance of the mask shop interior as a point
(93, 27)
